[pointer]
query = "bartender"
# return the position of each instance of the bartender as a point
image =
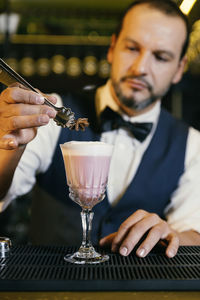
(153, 188)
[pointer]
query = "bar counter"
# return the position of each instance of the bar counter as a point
(99, 295)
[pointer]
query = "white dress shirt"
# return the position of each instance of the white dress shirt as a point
(184, 209)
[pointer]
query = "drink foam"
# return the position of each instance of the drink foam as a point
(84, 148)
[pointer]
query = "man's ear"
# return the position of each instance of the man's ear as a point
(111, 48)
(180, 70)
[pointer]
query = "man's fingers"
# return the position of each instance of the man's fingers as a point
(107, 241)
(19, 95)
(21, 116)
(132, 230)
(22, 122)
(133, 237)
(26, 109)
(126, 226)
(129, 240)
(173, 245)
(21, 112)
(136, 228)
(8, 143)
(51, 98)
(153, 237)
(18, 138)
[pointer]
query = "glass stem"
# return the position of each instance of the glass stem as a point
(86, 217)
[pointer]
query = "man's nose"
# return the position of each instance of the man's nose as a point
(140, 65)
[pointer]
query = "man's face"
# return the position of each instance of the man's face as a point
(145, 57)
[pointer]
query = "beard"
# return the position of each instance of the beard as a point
(130, 101)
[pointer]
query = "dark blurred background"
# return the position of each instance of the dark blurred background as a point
(61, 45)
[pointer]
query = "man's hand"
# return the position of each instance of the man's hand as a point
(134, 228)
(21, 112)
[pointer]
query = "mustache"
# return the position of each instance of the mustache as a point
(139, 78)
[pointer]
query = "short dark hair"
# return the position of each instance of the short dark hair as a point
(169, 7)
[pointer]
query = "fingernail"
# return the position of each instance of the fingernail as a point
(123, 251)
(11, 144)
(171, 253)
(39, 99)
(141, 252)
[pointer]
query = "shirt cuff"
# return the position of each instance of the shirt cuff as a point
(6, 201)
(181, 225)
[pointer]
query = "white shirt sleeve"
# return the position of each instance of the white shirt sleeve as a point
(183, 213)
(36, 159)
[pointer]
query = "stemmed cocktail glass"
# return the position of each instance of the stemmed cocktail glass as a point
(87, 166)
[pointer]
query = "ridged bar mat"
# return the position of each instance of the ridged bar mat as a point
(42, 268)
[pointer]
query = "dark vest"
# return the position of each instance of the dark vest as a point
(156, 179)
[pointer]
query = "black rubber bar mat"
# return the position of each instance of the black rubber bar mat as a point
(42, 268)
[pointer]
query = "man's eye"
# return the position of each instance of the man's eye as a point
(131, 48)
(161, 58)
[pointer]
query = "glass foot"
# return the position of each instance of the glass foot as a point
(92, 257)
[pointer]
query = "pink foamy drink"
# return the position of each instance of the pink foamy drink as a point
(87, 166)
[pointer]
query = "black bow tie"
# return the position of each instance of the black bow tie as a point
(111, 120)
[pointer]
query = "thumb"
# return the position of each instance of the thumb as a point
(8, 143)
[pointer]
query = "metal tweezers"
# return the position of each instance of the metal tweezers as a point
(64, 117)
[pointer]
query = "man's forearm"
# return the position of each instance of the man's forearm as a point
(189, 237)
(9, 160)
